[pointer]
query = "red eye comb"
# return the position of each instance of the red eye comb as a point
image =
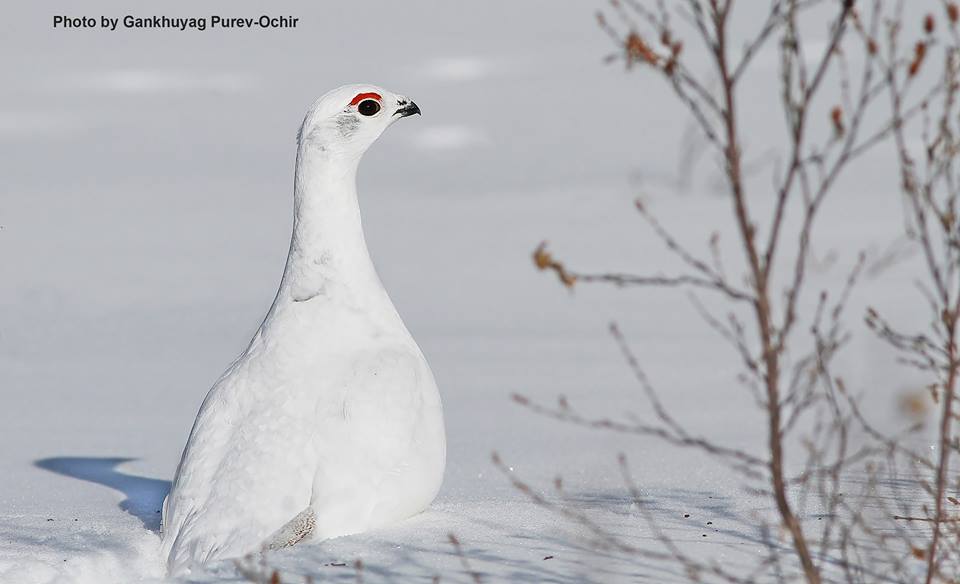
(362, 96)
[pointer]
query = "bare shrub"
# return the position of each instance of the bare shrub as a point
(885, 75)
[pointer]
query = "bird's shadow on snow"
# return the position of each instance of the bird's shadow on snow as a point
(143, 496)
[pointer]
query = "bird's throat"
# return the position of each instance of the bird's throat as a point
(328, 253)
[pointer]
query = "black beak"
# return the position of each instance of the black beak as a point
(407, 108)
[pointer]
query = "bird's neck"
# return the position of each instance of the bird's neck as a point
(328, 253)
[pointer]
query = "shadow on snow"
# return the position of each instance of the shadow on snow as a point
(143, 496)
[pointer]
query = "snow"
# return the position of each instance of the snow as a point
(144, 231)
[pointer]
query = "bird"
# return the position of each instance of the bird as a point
(330, 422)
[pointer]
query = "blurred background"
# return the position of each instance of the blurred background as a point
(147, 190)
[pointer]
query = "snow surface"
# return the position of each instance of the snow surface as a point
(146, 204)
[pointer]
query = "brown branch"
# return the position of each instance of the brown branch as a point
(762, 306)
(464, 562)
(544, 260)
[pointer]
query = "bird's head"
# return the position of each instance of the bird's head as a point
(347, 120)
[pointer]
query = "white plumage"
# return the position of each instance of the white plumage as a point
(330, 422)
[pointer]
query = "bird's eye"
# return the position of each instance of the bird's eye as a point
(368, 107)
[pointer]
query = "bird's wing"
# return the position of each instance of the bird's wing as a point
(199, 464)
(390, 423)
(244, 472)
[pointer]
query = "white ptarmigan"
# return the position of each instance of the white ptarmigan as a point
(330, 422)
